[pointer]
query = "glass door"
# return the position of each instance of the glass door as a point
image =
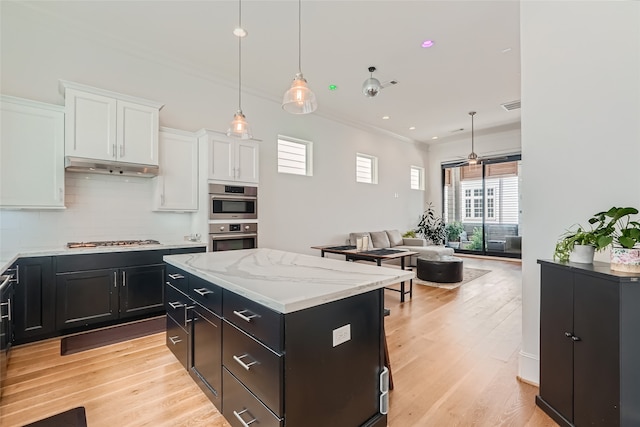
(482, 206)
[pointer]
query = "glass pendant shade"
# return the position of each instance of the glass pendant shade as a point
(299, 99)
(239, 127)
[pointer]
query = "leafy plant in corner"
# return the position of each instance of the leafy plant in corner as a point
(431, 226)
(617, 227)
(409, 234)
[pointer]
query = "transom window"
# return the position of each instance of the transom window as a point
(294, 156)
(417, 178)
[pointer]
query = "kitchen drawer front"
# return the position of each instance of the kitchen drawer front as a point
(190, 250)
(97, 261)
(178, 341)
(176, 303)
(256, 366)
(177, 278)
(255, 319)
(239, 404)
(206, 294)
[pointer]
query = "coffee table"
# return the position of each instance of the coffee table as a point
(373, 255)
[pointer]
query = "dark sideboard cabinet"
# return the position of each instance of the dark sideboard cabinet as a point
(589, 345)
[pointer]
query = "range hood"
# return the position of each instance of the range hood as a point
(78, 164)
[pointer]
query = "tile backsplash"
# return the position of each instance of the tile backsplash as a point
(98, 207)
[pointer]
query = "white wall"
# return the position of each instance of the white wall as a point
(580, 129)
(295, 212)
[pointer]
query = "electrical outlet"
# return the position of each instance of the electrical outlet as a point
(341, 335)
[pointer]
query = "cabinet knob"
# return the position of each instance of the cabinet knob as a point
(575, 338)
(568, 334)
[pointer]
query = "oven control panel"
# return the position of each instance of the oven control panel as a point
(251, 228)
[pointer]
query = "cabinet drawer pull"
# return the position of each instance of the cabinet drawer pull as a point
(239, 417)
(8, 315)
(203, 291)
(175, 340)
(176, 304)
(115, 279)
(246, 366)
(241, 314)
(176, 276)
(124, 278)
(186, 314)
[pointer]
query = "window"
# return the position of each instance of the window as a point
(417, 178)
(294, 156)
(366, 169)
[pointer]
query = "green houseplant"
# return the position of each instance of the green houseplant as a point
(453, 230)
(577, 237)
(623, 233)
(431, 226)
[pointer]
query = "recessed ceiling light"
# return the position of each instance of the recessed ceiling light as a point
(385, 117)
(506, 50)
(333, 87)
(427, 43)
(434, 137)
(240, 32)
(412, 128)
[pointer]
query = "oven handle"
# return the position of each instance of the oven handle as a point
(229, 236)
(220, 196)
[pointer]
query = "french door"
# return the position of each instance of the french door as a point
(483, 201)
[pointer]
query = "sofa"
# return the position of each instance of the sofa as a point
(393, 239)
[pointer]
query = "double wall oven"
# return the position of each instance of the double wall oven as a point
(232, 210)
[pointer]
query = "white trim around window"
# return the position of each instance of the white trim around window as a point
(366, 168)
(295, 156)
(417, 178)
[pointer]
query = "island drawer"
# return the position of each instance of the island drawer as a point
(205, 293)
(175, 304)
(255, 319)
(178, 341)
(177, 278)
(256, 366)
(241, 408)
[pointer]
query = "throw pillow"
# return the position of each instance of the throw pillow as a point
(353, 237)
(395, 238)
(380, 239)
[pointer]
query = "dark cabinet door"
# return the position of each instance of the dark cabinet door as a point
(556, 345)
(141, 290)
(207, 352)
(86, 298)
(596, 352)
(34, 293)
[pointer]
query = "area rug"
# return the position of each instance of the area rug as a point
(111, 335)
(75, 417)
(468, 275)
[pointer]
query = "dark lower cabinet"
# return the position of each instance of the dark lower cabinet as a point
(141, 290)
(178, 341)
(34, 308)
(589, 345)
(86, 298)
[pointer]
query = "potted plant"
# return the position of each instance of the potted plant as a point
(578, 244)
(431, 226)
(623, 233)
(453, 230)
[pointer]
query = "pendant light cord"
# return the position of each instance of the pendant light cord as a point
(299, 36)
(239, 57)
(472, 150)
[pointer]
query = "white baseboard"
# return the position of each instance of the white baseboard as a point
(529, 368)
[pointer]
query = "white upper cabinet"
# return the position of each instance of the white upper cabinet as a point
(233, 160)
(177, 183)
(31, 154)
(109, 126)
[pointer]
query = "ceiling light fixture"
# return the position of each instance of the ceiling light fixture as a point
(472, 157)
(299, 99)
(427, 43)
(412, 128)
(385, 117)
(239, 127)
(371, 87)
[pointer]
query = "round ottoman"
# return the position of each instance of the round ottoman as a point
(444, 270)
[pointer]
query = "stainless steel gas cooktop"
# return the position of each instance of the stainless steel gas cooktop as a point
(111, 243)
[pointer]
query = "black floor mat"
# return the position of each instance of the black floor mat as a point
(75, 417)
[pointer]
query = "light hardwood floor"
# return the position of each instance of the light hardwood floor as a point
(453, 356)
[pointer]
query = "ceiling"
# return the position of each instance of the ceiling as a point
(473, 65)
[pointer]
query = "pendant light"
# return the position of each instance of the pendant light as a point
(472, 157)
(239, 127)
(299, 99)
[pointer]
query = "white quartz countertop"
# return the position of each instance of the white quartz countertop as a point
(286, 281)
(7, 260)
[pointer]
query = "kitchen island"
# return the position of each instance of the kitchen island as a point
(291, 340)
